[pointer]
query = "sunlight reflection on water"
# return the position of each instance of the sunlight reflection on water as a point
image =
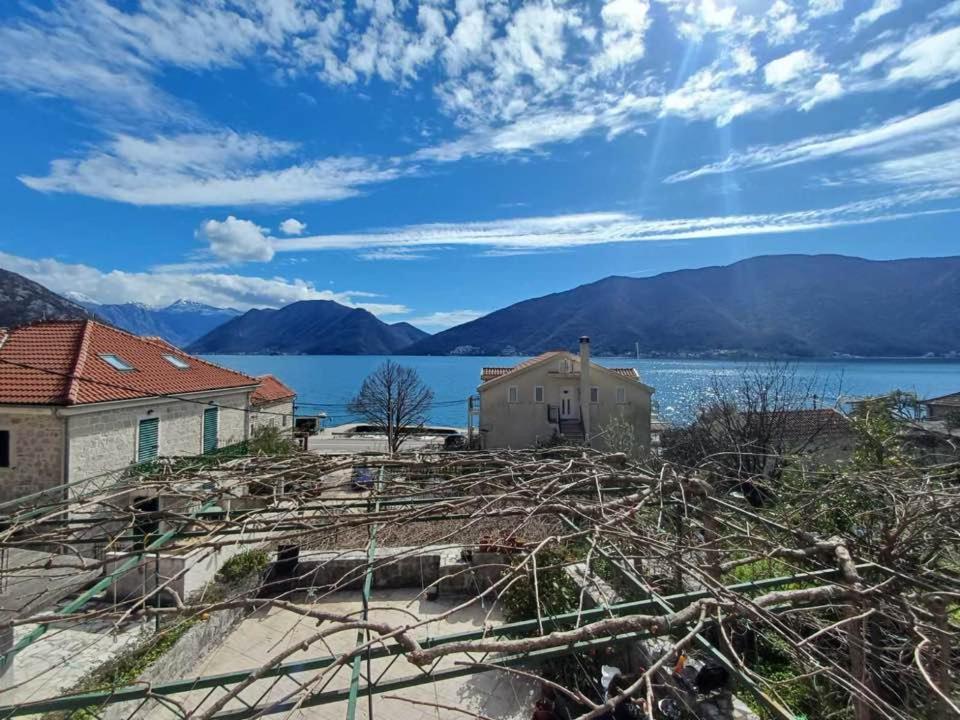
(330, 380)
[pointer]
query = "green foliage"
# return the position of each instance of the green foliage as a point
(124, 669)
(876, 424)
(558, 593)
(807, 699)
(243, 565)
(953, 420)
(271, 440)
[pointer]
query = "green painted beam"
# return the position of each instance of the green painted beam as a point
(365, 597)
(385, 686)
(522, 628)
(85, 597)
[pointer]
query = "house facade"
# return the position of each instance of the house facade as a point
(559, 393)
(942, 408)
(79, 399)
(272, 405)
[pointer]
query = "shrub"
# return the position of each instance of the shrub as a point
(557, 591)
(243, 565)
(271, 440)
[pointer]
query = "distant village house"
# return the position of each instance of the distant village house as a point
(79, 399)
(943, 408)
(559, 393)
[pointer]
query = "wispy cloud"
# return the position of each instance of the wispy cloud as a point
(909, 129)
(877, 10)
(569, 231)
(163, 288)
(206, 170)
(444, 319)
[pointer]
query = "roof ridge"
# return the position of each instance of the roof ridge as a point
(73, 388)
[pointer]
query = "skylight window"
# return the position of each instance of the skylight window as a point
(117, 363)
(177, 362)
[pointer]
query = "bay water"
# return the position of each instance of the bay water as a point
(328, 382)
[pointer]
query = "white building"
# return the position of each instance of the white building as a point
(80, 399)
(559, 393)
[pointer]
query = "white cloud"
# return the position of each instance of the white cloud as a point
(875, 12)
(924, 127)
(709, 95)
(819, 8)
(392, 254)
(235, 240)
(934, 57)
(161, 288)
(292, 226)
(828, 87)
(788, 68)
(567, 231)
(625, 24)
(206, 170)
(526, 134)
(783, 22)
(444, 319)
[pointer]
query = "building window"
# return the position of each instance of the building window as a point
(211, 424)
(148, 440)
(513, 394)
(4, 448)
(621, 395)
(594, 394)
(538, 394)
(178, 363)
(284, 420)
(117, 363)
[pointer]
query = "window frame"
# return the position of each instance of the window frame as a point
(126, 367)
(594, 392)
(203, 430)
(621, 396)
(140, 421)
(178, 363)
(539, 390)
(513, 394)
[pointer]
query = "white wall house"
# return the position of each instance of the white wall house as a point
(272, 405)
(79, 399)
(559, 393)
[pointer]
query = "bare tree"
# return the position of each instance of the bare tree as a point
(746, 426)
(393, 399)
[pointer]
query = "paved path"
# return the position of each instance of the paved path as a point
(494, 694)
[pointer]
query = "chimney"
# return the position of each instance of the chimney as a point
(585, 386)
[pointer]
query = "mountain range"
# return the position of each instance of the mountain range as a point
(23, 301)
(179, 323)
(782, 305)
(309, 327)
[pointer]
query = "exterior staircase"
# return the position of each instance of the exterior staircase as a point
(572, 429)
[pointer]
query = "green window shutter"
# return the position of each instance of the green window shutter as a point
(148, 440)
(211, 423)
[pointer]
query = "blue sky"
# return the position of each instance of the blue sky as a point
(435, 160)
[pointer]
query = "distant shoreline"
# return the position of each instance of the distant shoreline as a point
(715, 358)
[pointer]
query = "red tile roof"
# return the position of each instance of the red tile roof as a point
(491, 373)
(271, 390)
(60, 363)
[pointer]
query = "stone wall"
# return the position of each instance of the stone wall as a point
(279, 415)
(401, 567)
(185, 656)
(106, 440)
(36, 454)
